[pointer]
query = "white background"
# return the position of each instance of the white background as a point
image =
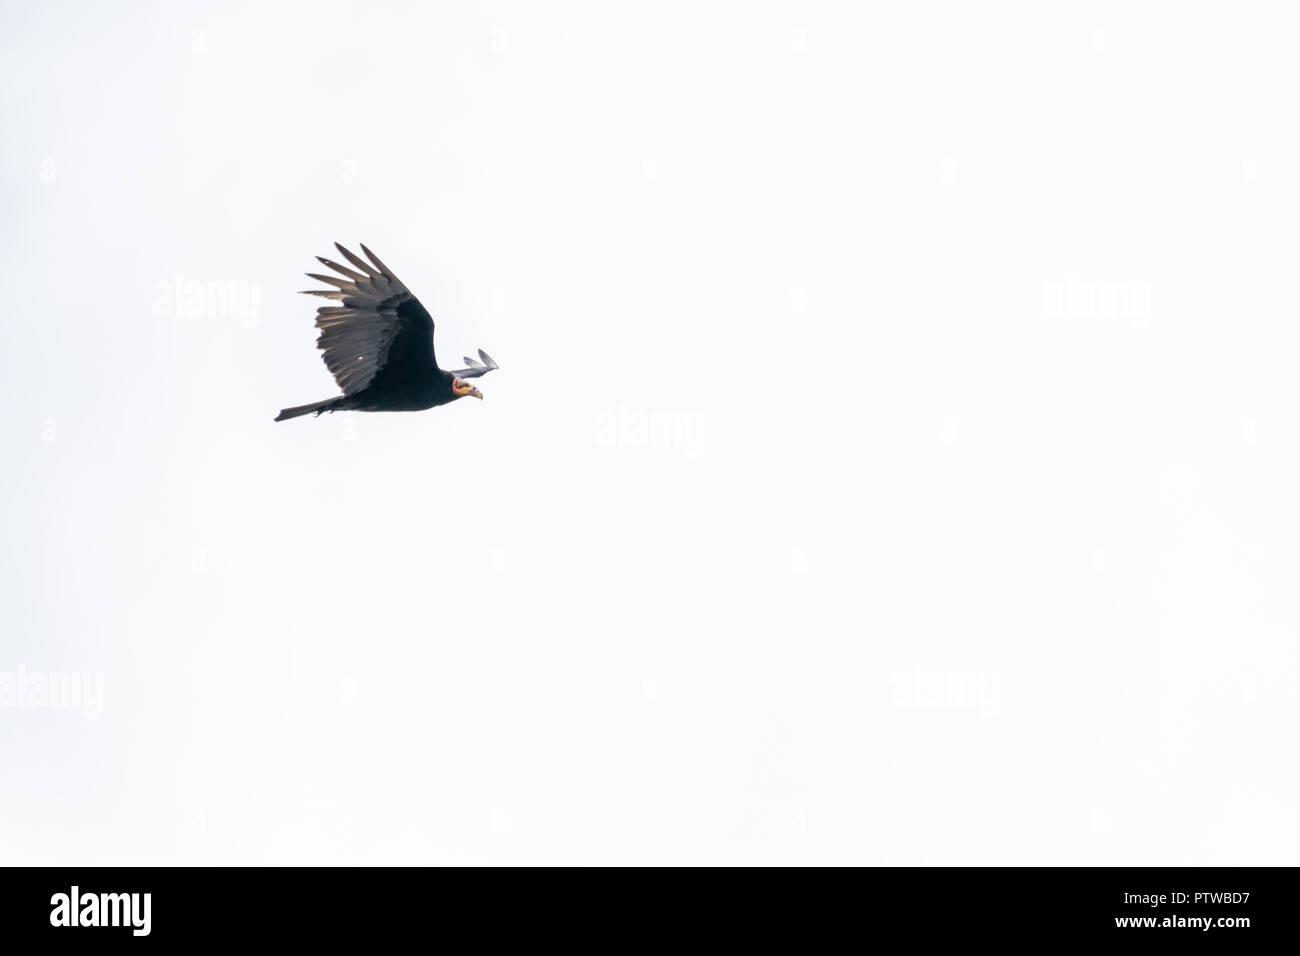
(894, 457)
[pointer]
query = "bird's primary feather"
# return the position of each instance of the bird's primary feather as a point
(476, 368)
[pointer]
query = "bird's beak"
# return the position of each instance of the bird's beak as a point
(476, 393)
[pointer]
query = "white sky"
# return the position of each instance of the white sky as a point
(894, 457)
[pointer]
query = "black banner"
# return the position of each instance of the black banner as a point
(90, 906)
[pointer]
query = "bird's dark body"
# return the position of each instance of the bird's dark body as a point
(378, 344)
(400, 397)
(410, 381)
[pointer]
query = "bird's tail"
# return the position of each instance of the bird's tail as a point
(316, 407)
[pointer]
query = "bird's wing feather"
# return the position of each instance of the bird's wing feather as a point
(475, 367)
(358, 332)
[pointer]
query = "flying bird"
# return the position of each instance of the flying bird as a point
(377, 341)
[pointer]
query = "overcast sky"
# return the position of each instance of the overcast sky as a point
(894, 457)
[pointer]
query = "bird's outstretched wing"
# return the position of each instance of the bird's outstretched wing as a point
(476, 368)
(374, 310)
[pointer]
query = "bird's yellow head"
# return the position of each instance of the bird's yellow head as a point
(463, 388)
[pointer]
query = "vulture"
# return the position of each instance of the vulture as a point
(377, 341)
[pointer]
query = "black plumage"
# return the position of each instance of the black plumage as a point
(377, 342)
